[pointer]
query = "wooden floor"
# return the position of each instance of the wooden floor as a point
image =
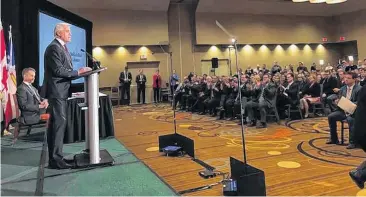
(294, 157)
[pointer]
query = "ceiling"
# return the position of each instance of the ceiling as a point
(279, 7)
(148, 5)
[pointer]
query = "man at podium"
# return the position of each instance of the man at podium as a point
(58, 75)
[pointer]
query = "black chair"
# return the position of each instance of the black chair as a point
(294, 108)
(342, 130)
(18, 126)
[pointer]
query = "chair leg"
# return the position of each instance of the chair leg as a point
(300, 113)
(29, 130)
(16, 133)
(342, 132)
(277, 116)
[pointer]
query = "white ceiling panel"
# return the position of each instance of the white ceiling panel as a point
(148, 5)
(279, 7)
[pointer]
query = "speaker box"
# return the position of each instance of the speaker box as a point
(215, 62)
(250, 180)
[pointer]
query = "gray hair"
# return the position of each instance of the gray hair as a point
(60, 27)
(26, 70)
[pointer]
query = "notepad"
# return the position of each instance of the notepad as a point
(347, 105)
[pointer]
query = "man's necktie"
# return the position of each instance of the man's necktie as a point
(66, 48)
(348, 93)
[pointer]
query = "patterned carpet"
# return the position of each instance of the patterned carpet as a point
(293, 155)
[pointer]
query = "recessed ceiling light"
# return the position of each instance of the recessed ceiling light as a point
(335, 1)
(299, 1)
(318, 1)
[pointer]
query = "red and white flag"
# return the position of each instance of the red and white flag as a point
(3, 72)
(8, 81)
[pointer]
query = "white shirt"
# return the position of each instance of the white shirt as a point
(61, 42)
(349, 92)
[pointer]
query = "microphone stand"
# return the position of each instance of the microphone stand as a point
(234, 42)
(171, 88)
(175, 139)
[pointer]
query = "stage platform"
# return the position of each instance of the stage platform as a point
(293, 155)
(129, 176)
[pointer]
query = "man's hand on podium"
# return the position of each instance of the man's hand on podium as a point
(84, 70)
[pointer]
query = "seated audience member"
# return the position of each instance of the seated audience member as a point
(329, 89)
(30, 102)
(301, 81)
(263, 98)
(301, 67)
(340, 77)
(313, 68)
(291, 91)
(362, 76)
(276, 68)
(349, 91)
(311, 94)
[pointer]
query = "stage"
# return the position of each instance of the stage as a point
(293, 155)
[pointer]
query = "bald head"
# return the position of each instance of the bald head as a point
(63, 32)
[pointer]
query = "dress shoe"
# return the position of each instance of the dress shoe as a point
(332, 142)
(261, 125)
(69, 161)
(60, 164)
(252, 124)
(351, 146)
(354, 174)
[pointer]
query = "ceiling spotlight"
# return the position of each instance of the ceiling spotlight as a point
(317, 1)
(231, 46)
(335, 1)
(299, 1)
(233, 40)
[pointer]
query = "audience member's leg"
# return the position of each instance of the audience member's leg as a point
(143, 94)
(332, 120)
(306, 107)
(350, 121)
(139, 90)
(250, 109)
(263, 105)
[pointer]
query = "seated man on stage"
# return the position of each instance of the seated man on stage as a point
(349, 91)
(30, 102)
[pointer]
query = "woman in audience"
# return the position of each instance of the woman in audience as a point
(311, 94)
(301, 81)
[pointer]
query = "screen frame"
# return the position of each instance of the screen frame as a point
(57, 12)
(39, 24)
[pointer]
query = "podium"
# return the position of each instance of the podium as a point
(92, 155)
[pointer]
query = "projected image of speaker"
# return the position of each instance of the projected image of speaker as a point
(215, 62)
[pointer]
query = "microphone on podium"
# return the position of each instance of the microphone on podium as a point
(96, 63)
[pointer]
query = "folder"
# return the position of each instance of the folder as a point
(347, 105)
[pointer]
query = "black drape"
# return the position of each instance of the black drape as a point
(75, 130)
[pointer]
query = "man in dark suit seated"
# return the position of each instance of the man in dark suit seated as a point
(30, 103)
(263, 98)
(349, 91)
(291, 91)
(330, 85)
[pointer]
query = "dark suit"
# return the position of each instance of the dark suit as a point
(263, 98)
(340, 115)
(141, 86)
(292, 94)
(125, 85)
(28, 102)
(58, 75)
(360, 135)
